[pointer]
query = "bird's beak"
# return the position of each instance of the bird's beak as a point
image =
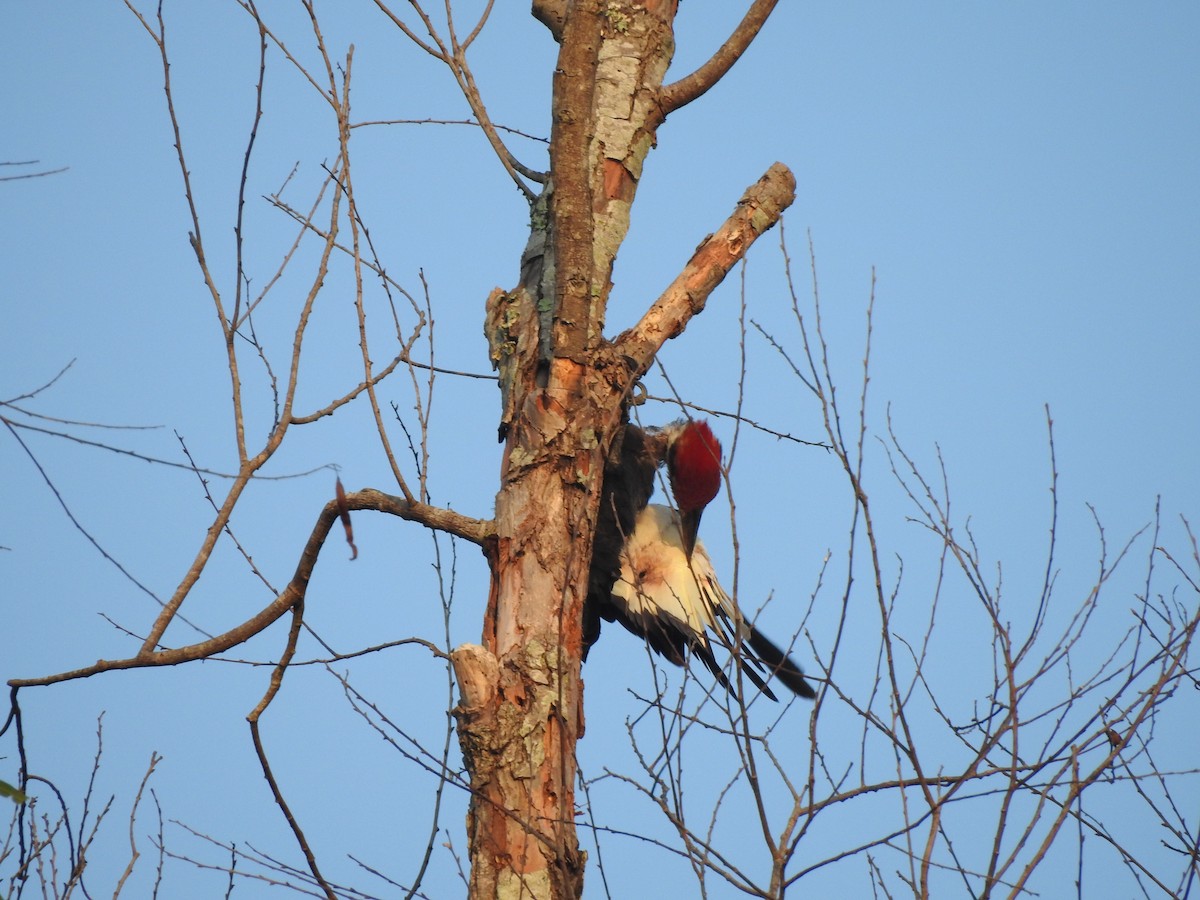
(689, 525)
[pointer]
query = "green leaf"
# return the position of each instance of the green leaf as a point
(7, 790)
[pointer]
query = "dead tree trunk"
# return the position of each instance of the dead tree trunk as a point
(564, 391)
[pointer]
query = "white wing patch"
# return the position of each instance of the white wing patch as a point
(673, 604)
(657, 585)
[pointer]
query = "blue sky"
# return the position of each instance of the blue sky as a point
(1020, 180)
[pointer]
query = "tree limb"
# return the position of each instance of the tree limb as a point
(760, 208)
(688, 88)
(575, 327)
(475, 530)
(552, 14)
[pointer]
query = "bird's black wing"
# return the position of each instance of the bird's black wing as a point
(628, 483)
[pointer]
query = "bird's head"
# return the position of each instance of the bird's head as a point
(694, 470)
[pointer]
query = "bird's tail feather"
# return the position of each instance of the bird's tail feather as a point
(779, 664)
(706, 656)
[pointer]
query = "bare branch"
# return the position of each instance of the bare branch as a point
(134, 853)
(759, 208)
(30, 162)
(475, 530)
(261, 751)
(690, 87)
(239, 242)
(455, 58)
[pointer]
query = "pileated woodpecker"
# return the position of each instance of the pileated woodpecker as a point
(651, 574)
